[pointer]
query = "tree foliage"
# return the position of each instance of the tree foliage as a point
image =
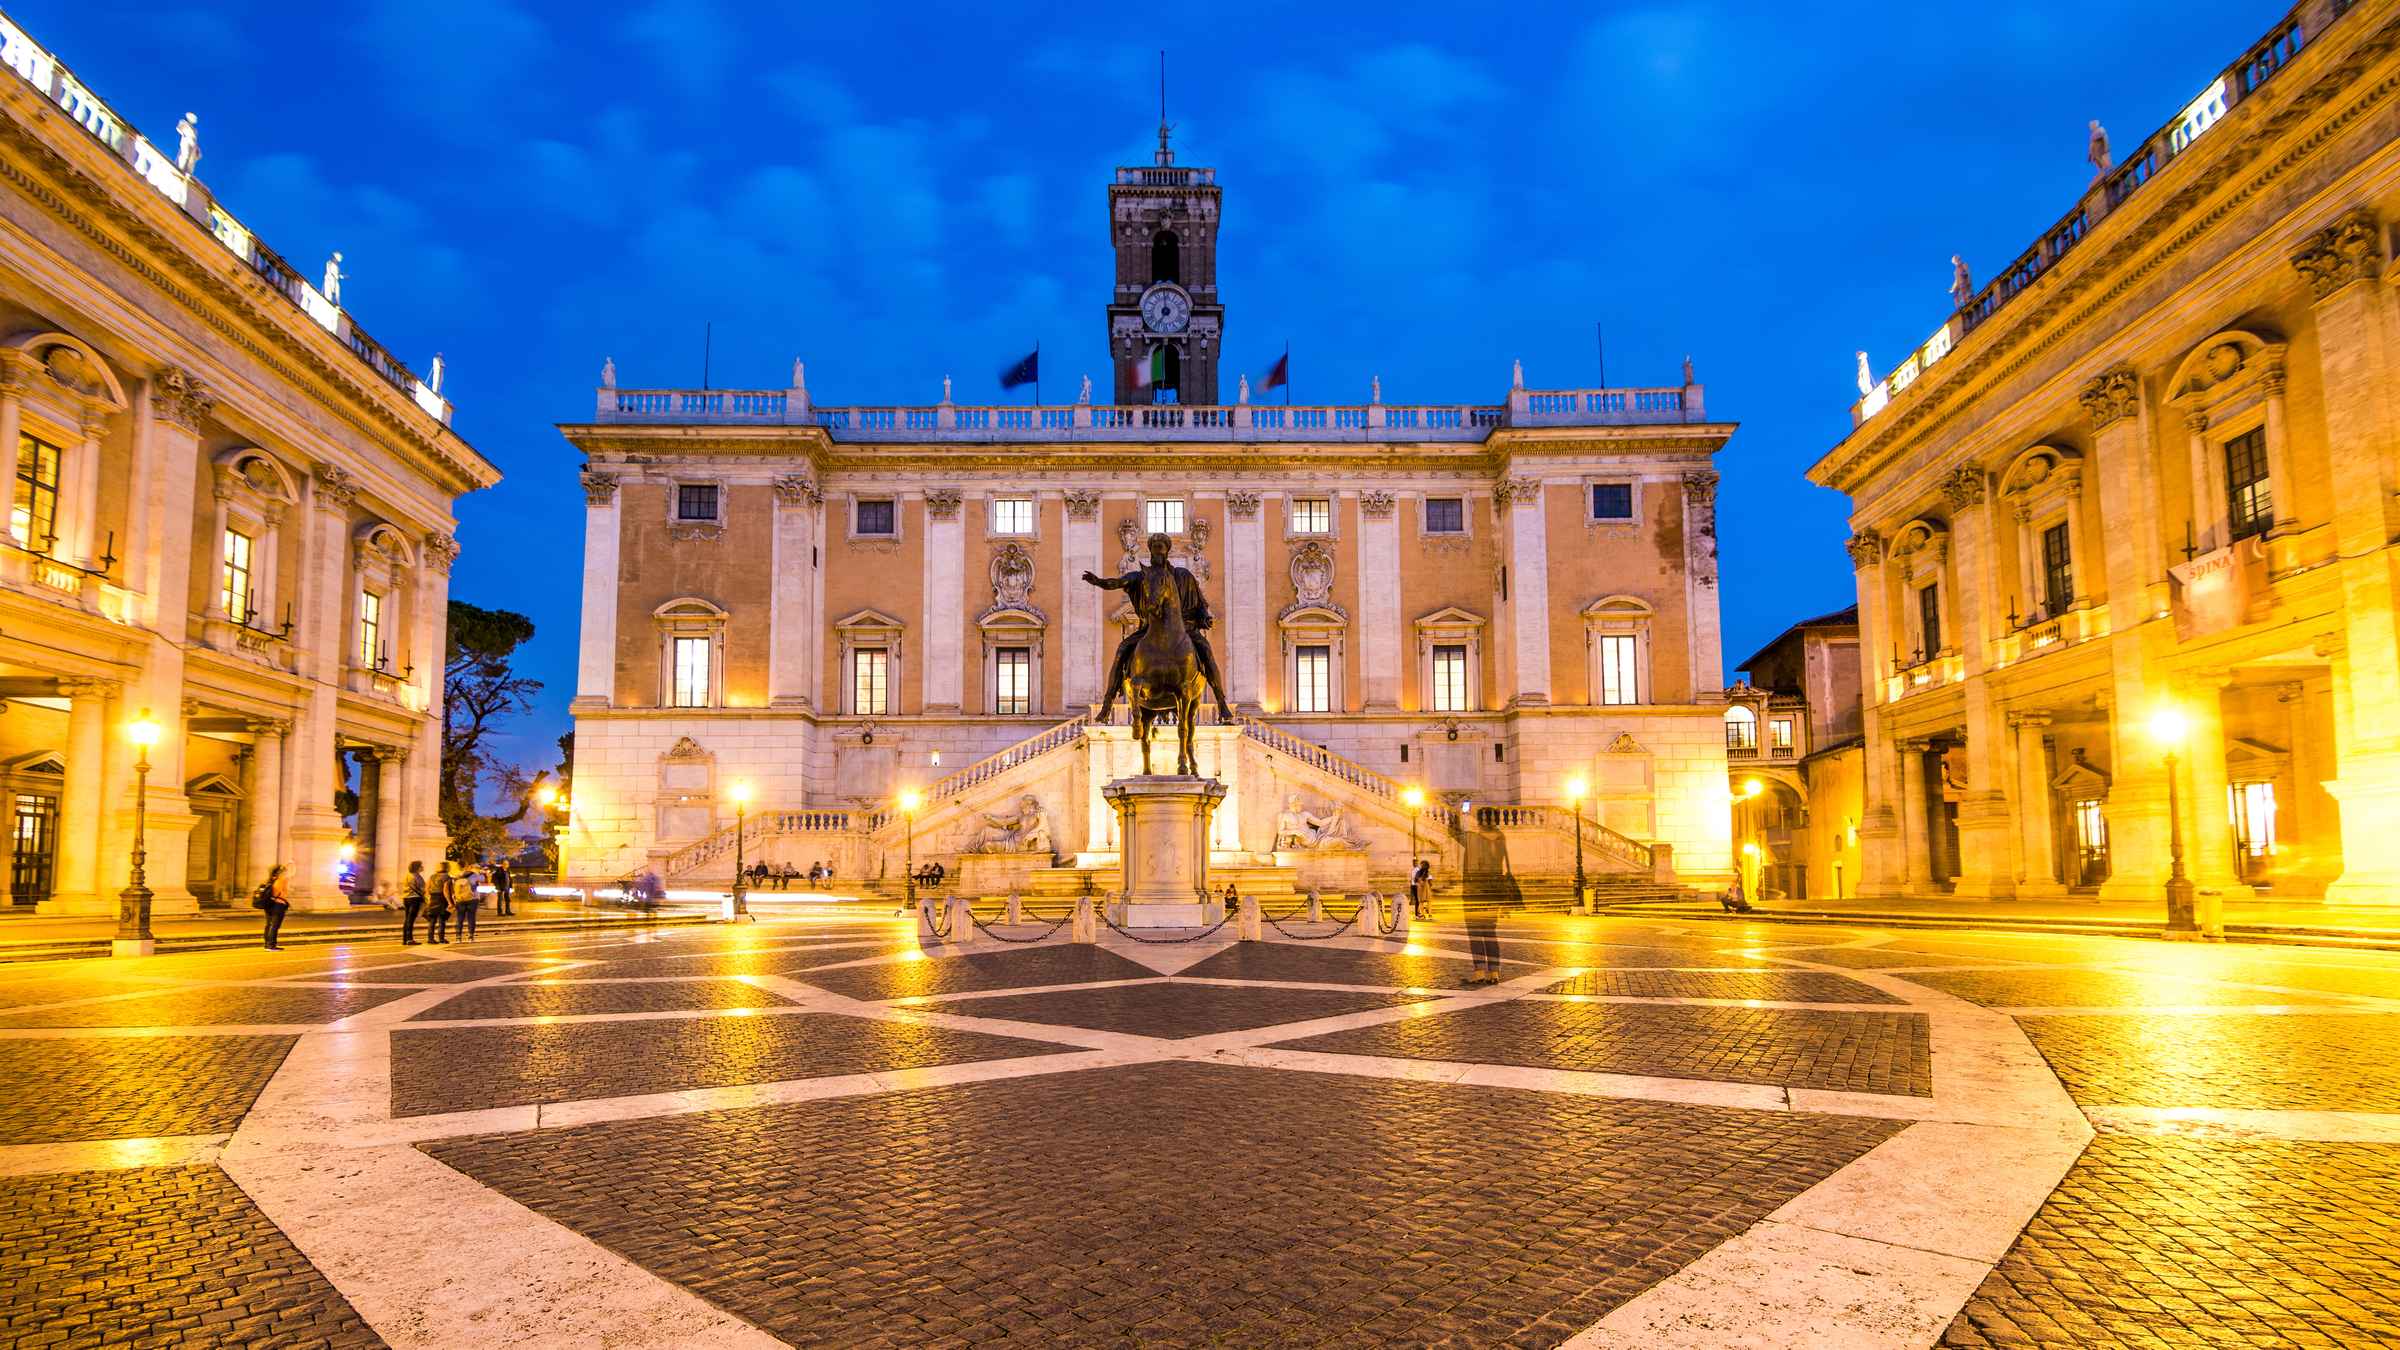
(480, 691)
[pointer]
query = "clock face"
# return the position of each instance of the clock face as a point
(1166, 309)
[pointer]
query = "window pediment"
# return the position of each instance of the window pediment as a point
(1450, 619)
(2227, 372)
(1313, 616)
(868, 621)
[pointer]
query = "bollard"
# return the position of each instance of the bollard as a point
(1316, 906)
(925, 925)
(1016, 908)
(1370, 915)
(1399, 925)
(1253, 926)
(962, 920)
(1087, 923)
(2209, 913)
(1212, 911)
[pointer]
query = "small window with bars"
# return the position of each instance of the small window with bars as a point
(2058, 570)
(870, 682)
(1445, 515)
(695, 501)
(1311, 515)
(1612, 501)
(1450, 678)
(875, 516)
(1012, 515)
(1313, 671)
(1164, 516)
(2249, 497)
(1012, 668)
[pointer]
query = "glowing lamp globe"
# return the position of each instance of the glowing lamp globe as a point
(1576, 787)
(142, 731)
(911, 799)
(1412, 798)
(2168, 727)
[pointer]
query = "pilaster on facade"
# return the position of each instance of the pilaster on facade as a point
(596, 652)
(1519, 502)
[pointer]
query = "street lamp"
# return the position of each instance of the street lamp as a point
(1414, 799)
(910, 800)
(2168, 727)
(1576, 787)
(741, 821)
(133, 903)
(1751, 787)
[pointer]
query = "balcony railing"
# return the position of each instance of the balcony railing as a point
(156, 168)
(2133, 170)
(1461, 422)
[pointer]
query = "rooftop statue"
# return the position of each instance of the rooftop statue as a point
(1161, 665)
(187, 144)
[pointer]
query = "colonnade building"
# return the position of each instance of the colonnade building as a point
(2151, 469)
(829, 604)
(231, 512)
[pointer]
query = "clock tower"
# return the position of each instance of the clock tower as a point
(1164, 321)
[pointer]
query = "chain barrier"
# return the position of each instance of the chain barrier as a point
(1164, 942)
(998, 936)
(941, 933)
(1311, 937)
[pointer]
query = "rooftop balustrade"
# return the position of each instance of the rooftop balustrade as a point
(1461, 422)
(156, 168)
(2109, 192)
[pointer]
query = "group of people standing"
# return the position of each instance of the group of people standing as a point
(455, 890)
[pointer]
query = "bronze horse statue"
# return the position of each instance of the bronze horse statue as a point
(1165, 665)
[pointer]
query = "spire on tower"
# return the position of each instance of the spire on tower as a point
(1166, 156)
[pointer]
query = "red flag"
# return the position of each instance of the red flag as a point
(1280, 376)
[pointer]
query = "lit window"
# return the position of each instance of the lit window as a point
(1618, 683)
(2058, 576)
(2250, 506)
(1450, 679)
(35, 512)
(1741, 729)
(2252, 806)
(1612, 501)
(875, 517)
(1929, 621)
(1164, 517)
(370, 630)
(1012, 515)
(691, 672)
(1313, 669)
(1311, 515)
(696, 501)
(1779, 735)
(234, 595)
(1445, 515)
(1013, 674)
(870, 690)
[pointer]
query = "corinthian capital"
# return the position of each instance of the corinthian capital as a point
(941, 503)
(2111, 396)
(795, 489)
(599, 489)
(1865, 551)
(1963, 487)
(441, 550)
(1376, 505)
(335, 486)
(2351, 249)
(1513, 491)
(1083, 504)
(178, 399)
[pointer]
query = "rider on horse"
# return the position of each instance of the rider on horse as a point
(1139, 587)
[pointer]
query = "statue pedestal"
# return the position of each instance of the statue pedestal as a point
(1163, 824)
(997, 874)
(1337, 869)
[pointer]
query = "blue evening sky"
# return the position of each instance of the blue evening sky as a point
(893, 193)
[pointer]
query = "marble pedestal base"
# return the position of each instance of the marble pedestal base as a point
(1162, 821)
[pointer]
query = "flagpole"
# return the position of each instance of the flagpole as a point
(1601, 341)
(1287, 372)
(1037, 372)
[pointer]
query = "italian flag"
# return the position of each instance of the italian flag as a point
(1151, 369)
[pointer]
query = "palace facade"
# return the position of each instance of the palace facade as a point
(827, 605)
(231, 514)
(2151, 469)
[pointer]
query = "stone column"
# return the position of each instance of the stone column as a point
(1879, 841)
(391, 817)
(78, 885)
(15, 365)
(428, 838)
(2283, 487)
(1244, 622)
(1916, 838)
(1520, 503)
(1082, 650)
(313, 832)
(267, 803)
(82, 507)
(2136, 589)
(2343, 266)
(214, 560)
(2208, 485)
(795, 631)
(2080, 573)
(1700, 581)
(596, 655)
(1379, 620)
(1987, 836)
(940, 666)
(2207, 819)
(166, 469)
(2037, 844)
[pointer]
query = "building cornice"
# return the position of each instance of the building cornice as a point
(2102, 272)
(177, 258)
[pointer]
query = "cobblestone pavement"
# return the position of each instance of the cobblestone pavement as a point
(810, 1130)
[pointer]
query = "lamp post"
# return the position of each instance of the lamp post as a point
(2167, 727)
(741, 823)
(1576, 787)
(1414, 799)
(133, 903)
(910, 800)
(1751, 787)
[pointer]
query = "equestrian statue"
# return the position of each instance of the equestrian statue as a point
(1161, 666)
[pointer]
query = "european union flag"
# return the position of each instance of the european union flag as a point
(1027, 371)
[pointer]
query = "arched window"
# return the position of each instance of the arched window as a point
(1741, 729)
(1166, 257)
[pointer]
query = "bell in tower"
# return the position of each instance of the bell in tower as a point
(1165, 327)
